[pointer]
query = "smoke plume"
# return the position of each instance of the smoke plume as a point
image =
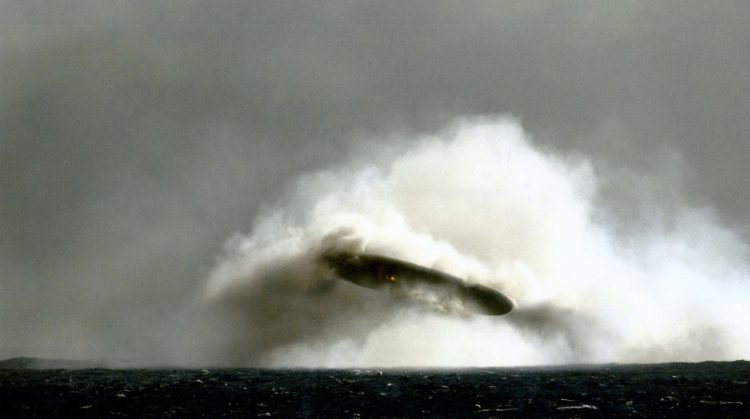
(478, 200)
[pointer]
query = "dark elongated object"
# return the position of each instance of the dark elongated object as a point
(375, 271)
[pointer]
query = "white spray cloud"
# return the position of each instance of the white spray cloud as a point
(479, 201)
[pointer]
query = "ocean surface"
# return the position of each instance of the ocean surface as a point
(709, 389)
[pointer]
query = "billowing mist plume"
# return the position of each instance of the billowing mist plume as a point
(479, 201)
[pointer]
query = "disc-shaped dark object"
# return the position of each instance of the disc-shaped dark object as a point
(379, 272)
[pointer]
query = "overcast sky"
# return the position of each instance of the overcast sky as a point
(137, 136)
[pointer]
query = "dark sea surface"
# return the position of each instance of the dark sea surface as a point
(709, 389)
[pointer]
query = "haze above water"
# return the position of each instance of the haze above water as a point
(168, 173)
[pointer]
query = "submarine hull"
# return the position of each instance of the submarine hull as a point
(381, 272)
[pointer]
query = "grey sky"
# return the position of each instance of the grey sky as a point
(135, 138)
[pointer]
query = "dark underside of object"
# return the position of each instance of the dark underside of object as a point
(381, 272)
